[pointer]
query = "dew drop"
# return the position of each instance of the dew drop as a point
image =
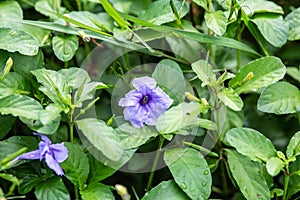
(206, 172)
(183, 185)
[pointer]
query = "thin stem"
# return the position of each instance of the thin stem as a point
(71, 126)
(76, 191)
(155, 162)
(286, 183)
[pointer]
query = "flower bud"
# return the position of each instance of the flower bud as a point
(248, 77)
(191, 97)
(122, 191)
(84, 36)
(9, 64)
(204, 102)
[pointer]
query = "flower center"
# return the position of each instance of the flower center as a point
(144, 100)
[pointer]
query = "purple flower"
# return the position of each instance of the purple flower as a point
(53, 154)
(146, 103)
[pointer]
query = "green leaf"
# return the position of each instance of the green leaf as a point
(177, 117)
(98, 171)
(10, 9)
(216, 21)
(231, 99)
(184, 48)
(25, 64)
(38, 126)
(165, 13)
(248, 176)
(101, 21)
(86, 92)
(294, 183)
(15, 143)
(207, 124)
(20, 106)
(65, 46)
(202, 3)
(190, 171)
(97, 191)
(76, 166)
(294, 73)
(266, 71)
(273, 28)
(54, 86)
(15, 40)
(131, 6)
(132, 137)
(169, 77)
(260, 6)
(28, 183)
(294, 24)
(6, 122)
(204, 72)
(279, 98)
(114, 14)
(167, 190)
(48, 8)
(103, 137)
(75, 77)
(274, 165)
(251, 143)
(53, 189)
(293, 148)
(14, 83)
(50, 113)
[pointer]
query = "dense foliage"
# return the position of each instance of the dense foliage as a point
(149, 99)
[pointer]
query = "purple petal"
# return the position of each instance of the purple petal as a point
(45, 139)
(59, 152)
(44, 148)
(161, 98)
(32, 155)
(131, 98)
(54, 165)
(136, 115)
(145, 81)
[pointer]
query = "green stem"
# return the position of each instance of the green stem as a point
(155, 162)
(286, 183)
(76, 191)
(78, 2)
(71, 125)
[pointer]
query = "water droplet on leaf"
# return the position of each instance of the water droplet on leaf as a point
(206, 172)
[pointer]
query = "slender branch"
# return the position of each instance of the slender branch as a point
(155, 162)
(286, 183)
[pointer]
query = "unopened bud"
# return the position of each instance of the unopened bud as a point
(204, 102)
(248, 77)
(9, 64)
(122, 191)
(191, 97)
(84, 36)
